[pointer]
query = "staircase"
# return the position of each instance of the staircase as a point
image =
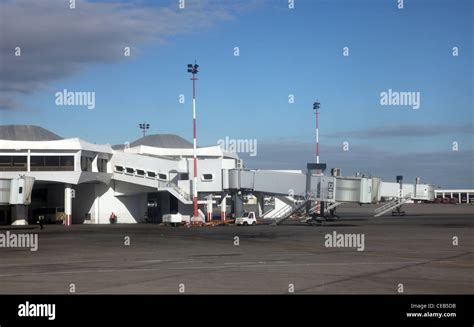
(327, 208)
(333, 206)
(288, 212)
(179, 193)
(395, 203)
(288, 204)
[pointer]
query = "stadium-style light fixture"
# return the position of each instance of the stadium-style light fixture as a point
(144, 127)
(193, 69)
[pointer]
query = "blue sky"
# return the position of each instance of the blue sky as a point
(282, 52)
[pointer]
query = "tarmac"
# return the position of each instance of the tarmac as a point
(427, 251)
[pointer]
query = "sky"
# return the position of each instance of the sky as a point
(283, 53)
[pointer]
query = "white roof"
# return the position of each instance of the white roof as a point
(65, 144)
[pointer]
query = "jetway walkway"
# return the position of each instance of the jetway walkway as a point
(333, 190)
(16, 191)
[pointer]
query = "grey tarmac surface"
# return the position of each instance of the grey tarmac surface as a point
(415, 250)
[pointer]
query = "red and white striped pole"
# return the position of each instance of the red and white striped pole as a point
(316, 107)
(68, 194)
(195, 193)
(317, 136)
(193, 69)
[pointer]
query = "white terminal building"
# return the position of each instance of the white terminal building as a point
(44, 174)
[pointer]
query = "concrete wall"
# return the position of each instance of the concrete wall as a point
(129, 209)
(83, 202)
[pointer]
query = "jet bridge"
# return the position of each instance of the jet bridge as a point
(320, 188)
(16, 192)
(312, 187)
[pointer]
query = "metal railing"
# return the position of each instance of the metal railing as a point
(179, 190)
(391, 205)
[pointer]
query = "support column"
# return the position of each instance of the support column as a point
(238, 205)
(308, 190)
(261, 204)
(68, 204)
(468, 194)
(209, 208)
(28, 161)
(223, 206)
(459, 197)
(19, 214)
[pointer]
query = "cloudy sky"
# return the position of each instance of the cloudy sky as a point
(342, 53)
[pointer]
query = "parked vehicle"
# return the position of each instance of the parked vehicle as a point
(248, 218)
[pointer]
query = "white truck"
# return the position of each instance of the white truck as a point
(176, 219)
(248, 218)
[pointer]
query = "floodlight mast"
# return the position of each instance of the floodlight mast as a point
(193, 69)
(144, 128)
(316, 107)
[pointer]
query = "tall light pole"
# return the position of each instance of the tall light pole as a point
(316, 107)
(193, 69)
(144, 128)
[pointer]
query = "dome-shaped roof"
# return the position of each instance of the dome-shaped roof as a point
(26, 133)
(159, 141)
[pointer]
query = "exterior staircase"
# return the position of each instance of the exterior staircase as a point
(389, 206)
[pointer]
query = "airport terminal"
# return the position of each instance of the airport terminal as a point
(72, 181)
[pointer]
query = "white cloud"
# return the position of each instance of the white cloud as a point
(57, 42)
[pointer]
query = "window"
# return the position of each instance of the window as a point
(151, 174)
(36, 162)
(207, 177)
(86, 164)
(52, 163)
(102, 165)
(5, 160)
(129, 170)
(119, 169)
(140, 172)
(19, 162)
(184, 176)
(13, 163)
(66, 161)
(162, 177)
